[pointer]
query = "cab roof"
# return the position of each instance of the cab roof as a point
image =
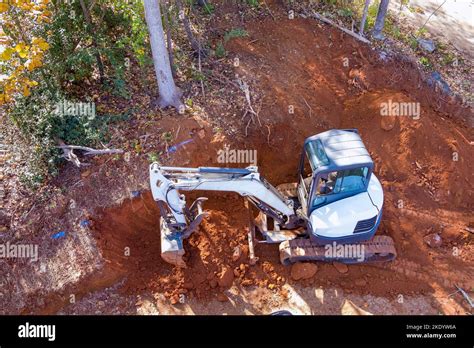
(344, 149)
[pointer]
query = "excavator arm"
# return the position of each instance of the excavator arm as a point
(178, 221)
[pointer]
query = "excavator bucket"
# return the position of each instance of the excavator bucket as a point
(172, 242)
(172, 249)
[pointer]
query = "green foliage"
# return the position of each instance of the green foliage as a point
(198, 75)
(208, 8)
(153, 157)
(425, 62)
(231, 34)
(42, 123)
(345, 12)
(421, 32)
(189, 102)
(167, 137)
(391, 29)
(118, 35)
(372, 15)
(235, 33)
(412, 42)
(448, 58)
(253, 3)
(136, 34)
(74, 45)
(120, 64)
(220, 50)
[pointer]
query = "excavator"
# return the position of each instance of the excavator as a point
(330, 214)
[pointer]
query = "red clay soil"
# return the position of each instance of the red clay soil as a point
(301, 63)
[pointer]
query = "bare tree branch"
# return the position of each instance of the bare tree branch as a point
(69, 155)
(347, 31)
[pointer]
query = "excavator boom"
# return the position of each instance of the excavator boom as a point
(178, 220)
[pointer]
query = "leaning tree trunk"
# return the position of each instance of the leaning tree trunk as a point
(169, 93)
(364, 17)
(195, 44)
(380, 20)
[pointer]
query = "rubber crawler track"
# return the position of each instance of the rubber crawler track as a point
(379, 249)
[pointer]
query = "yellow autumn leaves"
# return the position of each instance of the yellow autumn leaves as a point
(20, 59)
(17, 60)
(26, 5)
(38, 47)
(4, 7)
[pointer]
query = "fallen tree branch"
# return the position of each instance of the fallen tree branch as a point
(69, 155)
(347, 31)
(90, 151)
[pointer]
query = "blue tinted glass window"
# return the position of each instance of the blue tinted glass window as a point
(316, 154)
(342, 181)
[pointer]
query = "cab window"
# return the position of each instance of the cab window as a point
(342, 181)
(316, 154)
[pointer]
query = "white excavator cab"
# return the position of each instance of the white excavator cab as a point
(337, 190)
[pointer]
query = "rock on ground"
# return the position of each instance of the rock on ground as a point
(350, 308)
(387, 122)
(433, 240)
(226, 277)
(303, 270)
(427, 45)
(341, 268)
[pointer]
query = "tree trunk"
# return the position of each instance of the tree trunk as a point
(380, 20)
(169, 42)
(169, 93)
(364, 17)
(90, 27)
(189, 33)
